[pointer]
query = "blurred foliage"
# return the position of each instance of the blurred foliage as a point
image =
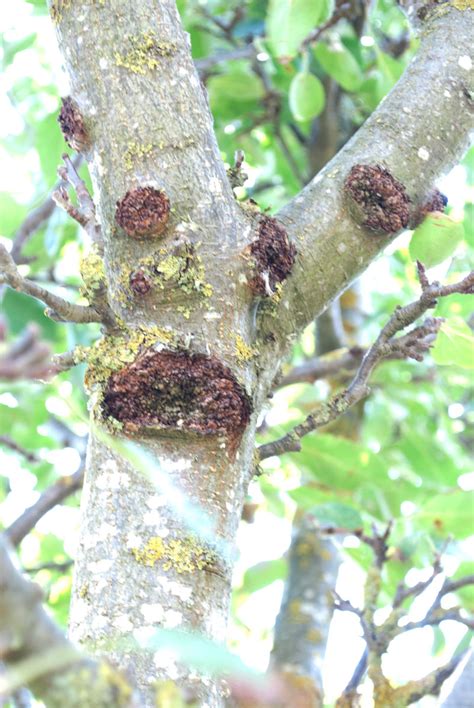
(411, 461)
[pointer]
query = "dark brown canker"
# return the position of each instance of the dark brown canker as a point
(143, 212)
(273, 254)
(72, 124)
(381, 201)
(178, 390)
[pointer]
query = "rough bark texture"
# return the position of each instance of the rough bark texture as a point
(148, 125)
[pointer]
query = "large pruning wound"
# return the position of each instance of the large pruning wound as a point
(178, 390)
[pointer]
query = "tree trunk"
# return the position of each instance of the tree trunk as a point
(182, 287)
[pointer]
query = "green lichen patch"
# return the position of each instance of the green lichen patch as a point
(244, 353)
(92, 273)
(58, 6)
(111, 353)
(185, 555)
(144, 52)
(136, 152)
(181, 271)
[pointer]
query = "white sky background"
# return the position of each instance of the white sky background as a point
(269, 536)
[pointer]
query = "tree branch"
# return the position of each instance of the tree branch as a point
(85, 214)
(378, 637)
(28, 357)
(37, 654)
(332, 248)
(414, 345)
(60, 309)
(55, 494)
(12, 445)
(36, 218)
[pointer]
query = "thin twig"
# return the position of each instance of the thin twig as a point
(58, 492)
(28, 357)
(60, 309)
(59, 567)
(205, 63)
(340, 12)
(12, 445)
(85, 214)
(413, 345)
(35, 219)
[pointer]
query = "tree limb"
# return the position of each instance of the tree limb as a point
(27, 357)
(332, 248)
(35, 219)
(60, 309)
(55, 494)
(37, 654)
(85, 214)
(414, 345)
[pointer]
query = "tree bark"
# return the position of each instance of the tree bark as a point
(139, 566)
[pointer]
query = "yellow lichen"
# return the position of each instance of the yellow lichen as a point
(184, 555)
(463, 4)
(144, 53)
(92, 272)
(135, 151)
(169, 695)
(313, 635)
(57, 8)
(183, 270)
(111, 353)
(185, 311)
(151, 553)
(243, 352)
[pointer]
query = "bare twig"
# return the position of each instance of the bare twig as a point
(36, 653)
(60, 309)
(35, 219)
(85, 214)
(413, 345)
(63, 362)
(58, 492)
(205, 63)
(12, 445)
(323, 367)
(378, 637)
(343, 10)
(58, 567)
(28, 357)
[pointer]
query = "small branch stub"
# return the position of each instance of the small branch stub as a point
(143, 212)
(72, 125)
(169, 389)
(377, 200)
(140, 282)
(274, 256)
(435, 201)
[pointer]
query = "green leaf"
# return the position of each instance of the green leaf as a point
(454, 344)
(435, 239)
(306, 96)
(290, 21)
(237, 85)
(307, 497)
(339, 463)
(336, 514)
(263, 574)
(340, 64)
(447, 514)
